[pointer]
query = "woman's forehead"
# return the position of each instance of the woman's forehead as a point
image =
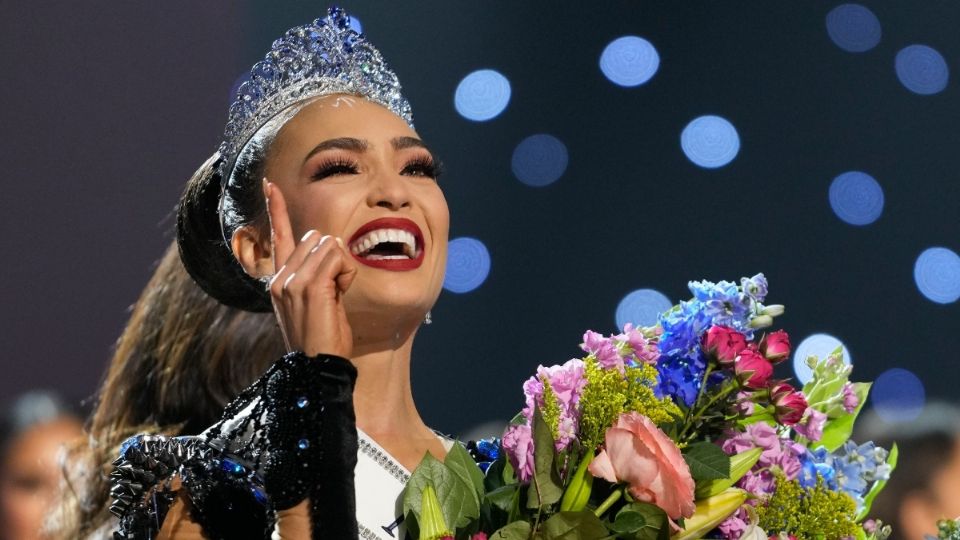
(342, 115)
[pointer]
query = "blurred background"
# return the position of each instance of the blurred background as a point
(597, 159)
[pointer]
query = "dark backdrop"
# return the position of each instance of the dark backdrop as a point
(109, 106)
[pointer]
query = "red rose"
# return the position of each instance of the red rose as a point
(776, 346)
(724, 344)
(789, 404)
(753, 369)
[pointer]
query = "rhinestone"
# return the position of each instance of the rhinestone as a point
(303, 444)
(303, 402)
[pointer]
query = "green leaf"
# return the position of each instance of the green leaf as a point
(502, 497)
(574, 526)
(458, 500)
(518, 530)
(458, 460)
(707, 461)
(878, 485)
(838, 430)
(546, 487)
(493, 478)
(628, 522)
(654, 526)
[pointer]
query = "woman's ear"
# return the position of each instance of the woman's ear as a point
(253, 250)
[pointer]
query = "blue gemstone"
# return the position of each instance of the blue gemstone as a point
(232, 467)
(132, 442)
(303, 444)
(303, 402)
(259, 494)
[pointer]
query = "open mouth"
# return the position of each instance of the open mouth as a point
(388, 243)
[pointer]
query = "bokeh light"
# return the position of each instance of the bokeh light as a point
(539, 160)
(937, 274)
(819, 345)
(856, 198)
(922, 69)
(482, 95)
(468, 265)
(641, 307)
(629, 61)
(898, 395)
(710, 141)
(355, 25)
(853, 28)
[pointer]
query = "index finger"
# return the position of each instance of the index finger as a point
(280, 229)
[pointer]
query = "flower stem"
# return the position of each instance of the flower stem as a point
(605, 505)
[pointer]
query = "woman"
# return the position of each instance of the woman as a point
(33, 432)
(182, 357)
(324, 205)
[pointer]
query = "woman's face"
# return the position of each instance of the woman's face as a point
(353, 169)
(30, 477)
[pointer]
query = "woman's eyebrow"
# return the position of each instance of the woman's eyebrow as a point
(342, 143)
(402, 143)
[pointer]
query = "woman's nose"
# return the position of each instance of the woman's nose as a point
(389, 190)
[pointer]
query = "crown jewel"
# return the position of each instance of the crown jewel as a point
(321, 58)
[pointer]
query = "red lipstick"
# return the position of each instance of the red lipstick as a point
(399, 264)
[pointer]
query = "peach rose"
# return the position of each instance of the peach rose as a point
(639, 453)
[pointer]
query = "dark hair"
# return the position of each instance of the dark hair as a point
(200, 236)
(182, 357)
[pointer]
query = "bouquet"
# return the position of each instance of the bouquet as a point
(678, 430)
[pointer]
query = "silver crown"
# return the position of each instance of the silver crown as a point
(317, 59)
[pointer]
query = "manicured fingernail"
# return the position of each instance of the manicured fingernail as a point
(308, 235)
(340, 241)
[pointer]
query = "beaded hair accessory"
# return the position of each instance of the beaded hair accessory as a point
(322, 58)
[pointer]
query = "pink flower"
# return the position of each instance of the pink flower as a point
(811, 425)
(789, 404)
(850, 398)
(744, 405)
(759, 434)
(567, 382)
(643, 349)
(753, 369)
(776, 346)
(639, 453)
(604, 349)
(518, 444)
(724, 344)
(732, 527)
(479, 536)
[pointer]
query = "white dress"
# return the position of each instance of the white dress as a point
(379, 480)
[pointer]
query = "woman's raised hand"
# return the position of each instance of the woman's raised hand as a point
(307, 289)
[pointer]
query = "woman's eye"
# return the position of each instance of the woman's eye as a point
(422, 167)
(335, 168)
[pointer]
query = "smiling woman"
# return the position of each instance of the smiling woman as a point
(323, 207)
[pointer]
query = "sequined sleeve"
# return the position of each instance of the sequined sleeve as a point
(290, 436)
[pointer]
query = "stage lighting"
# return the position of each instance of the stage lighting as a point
(468, 265)
(856, 198)
(641, 307)
(922, 69)
(539, 160)
(819, 345)
(853, 28)
(629, 61)
(710, 141)
(898, 395)
(937, 274)
(482, 95)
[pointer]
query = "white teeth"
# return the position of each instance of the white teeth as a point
(368, 241)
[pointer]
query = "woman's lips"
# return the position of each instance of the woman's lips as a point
(401, 233)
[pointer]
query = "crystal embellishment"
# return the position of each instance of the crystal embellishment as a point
(302, 402)
(303, 444)
(317, 59)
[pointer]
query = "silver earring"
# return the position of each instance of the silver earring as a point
(428, 319)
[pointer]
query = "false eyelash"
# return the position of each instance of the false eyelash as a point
(425, 165)
(334, 167)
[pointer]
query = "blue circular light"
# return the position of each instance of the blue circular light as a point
(819, 345)
(853, 28)
(937, 274)
(641, 307)
(629, 61)
(468, 265)
(898, 395)
(482, 95)
(856, 198)
(710, 141)
(539, 160)
(922, 69)
(355, 25)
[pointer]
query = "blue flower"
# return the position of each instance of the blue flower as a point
(755, 287)
(679, 378)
